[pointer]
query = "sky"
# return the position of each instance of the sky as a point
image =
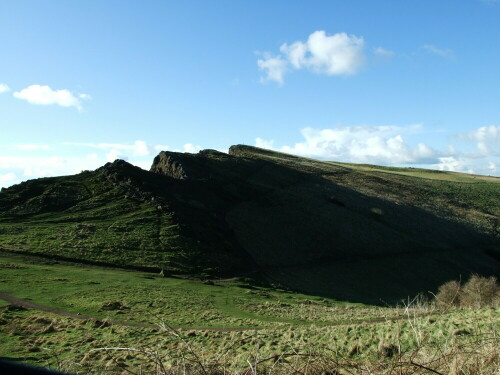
(389, 82)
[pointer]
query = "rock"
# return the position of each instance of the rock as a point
(101, 324)
(171, 164)
(15, 308)
(115, 305)
(461, 332)
(388, 351)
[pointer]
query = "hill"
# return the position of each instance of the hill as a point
(356, 232)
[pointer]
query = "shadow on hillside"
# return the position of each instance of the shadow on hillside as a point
(309, 233)
(293, 218)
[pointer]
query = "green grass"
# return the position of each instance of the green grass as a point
(271, 322)
(150, 298)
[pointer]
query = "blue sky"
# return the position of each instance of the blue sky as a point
(406, 83)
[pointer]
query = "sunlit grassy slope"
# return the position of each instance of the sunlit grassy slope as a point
(226, 325)
(356, 232)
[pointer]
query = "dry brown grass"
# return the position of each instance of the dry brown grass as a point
(477, 292)
(465, 353)
(480, 292)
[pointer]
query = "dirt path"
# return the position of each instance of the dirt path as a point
(35, 306)
(31, 305)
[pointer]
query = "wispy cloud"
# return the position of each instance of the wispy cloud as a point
(388, 145)
(361, 144)
(44, 95)
(337, 54)
(161, 147)
(191, 148)
(7, 179)
(383, 53)
(264, 143)
(138, 148)
(31, 147)
(273, 67)
(486, 139)
(14, 169)
(4, 88)
(443, 52)
(83, 156)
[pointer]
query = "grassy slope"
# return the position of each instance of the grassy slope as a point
(180, 302)
(449, 194)
(112, 216)
(289, 323)
(100, 224)
(357, 232)
(394, 231)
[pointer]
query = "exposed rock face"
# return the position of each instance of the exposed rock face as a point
(206, 164)
(170, 164)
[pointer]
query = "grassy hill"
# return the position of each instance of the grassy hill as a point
(356, 232)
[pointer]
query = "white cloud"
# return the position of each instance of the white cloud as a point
(141, 148)
(189, 147)
(492, 167)
(383, 53)
(84, 96)
(4, 88)
(7, 179)
(273, 67)
(387, 145)
(138, 148)
(327, 54)
(359, 144)
(486, 138)
(114, 154)
(17, 169)
(446, 52)
(44, 95)
(161, 147)
(14, 169)
(146, 165)
(337, 54)
(454, 164)
(262, 143)
(32, 147)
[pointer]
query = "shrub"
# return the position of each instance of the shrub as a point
(478, 292)
(448, 294)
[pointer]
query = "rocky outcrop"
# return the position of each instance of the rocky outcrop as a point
(206, 164)
(170, 164)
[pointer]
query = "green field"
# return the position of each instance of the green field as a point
(215, 325)
(151, 299)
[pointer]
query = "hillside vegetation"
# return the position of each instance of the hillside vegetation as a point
(92, 320)
(353, 232)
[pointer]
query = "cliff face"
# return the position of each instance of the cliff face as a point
(170, 164)
(327, 228)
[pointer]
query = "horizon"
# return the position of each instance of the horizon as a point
(401, 84)
(147, 166)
